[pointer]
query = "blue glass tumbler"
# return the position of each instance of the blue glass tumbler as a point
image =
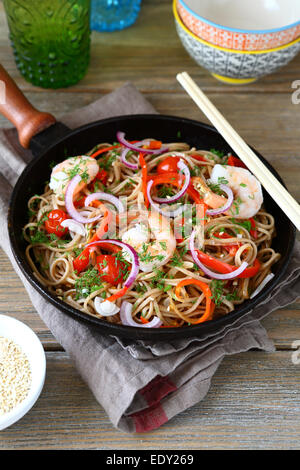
(113, 15)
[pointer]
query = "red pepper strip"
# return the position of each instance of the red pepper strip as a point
(210, 306)
(143, 320)
(234, 161)
(199, 158)
(119, 294)
(80, 202)
(102, 176)
(103, 227)
(224, 268)
(253, 231)
(106, 149)
(232, 249)
(154, 144)
(176, 180)
(144, 178)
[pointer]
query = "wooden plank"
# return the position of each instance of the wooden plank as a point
(150, 48)
(253, 404)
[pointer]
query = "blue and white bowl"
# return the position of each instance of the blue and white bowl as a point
(230, 65)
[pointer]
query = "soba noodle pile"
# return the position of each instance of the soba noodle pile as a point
(226, 237)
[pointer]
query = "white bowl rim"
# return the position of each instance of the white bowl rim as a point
(236, 30)
(22, 408)
(185, 29)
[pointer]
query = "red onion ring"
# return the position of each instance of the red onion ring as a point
(70, 205)
(183, 167)
(227, 204)
(105, 197)
(207, 271)
(132, 166)
(174, 213)
(135, 147)
(135, 265)
(126, 317)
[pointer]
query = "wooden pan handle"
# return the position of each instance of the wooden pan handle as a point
(17, 109)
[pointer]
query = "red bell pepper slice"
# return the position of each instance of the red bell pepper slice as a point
(144, 178)
(234, 161)
(209, 307)
(232, 249)
(224, 268)
(106, 149)
(253, 231)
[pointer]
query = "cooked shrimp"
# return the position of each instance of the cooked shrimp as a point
(62, 173)
(245, 187)
(210, 198)
(155, 253)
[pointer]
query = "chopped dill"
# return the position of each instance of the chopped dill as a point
(89, 282)
(218, 294)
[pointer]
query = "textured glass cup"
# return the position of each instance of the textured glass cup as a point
(50, 40)
(113, 15)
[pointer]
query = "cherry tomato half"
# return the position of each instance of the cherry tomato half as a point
(52, 224)
(168, 165)
(111, 269)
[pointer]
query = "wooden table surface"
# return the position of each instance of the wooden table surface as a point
(254, 400)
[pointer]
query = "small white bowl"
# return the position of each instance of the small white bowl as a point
(30, 344)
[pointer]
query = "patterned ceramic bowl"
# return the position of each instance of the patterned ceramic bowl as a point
(248, 25)
(232, 66)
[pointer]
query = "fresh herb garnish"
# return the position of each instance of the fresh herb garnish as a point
(107, 162)
(165, 191)
(215, 187)
(246, 224)
(235, 209)
(89, 282)
(219, 153)
(176, 261)
(158, 282)
(216, 288)
(39, 237)
(218, 295)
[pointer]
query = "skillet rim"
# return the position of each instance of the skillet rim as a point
(136, 333)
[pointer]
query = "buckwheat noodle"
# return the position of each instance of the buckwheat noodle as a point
(153, 293)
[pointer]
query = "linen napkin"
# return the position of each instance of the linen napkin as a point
(140, 385)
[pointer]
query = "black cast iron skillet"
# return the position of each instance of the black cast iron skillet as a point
(78, 142)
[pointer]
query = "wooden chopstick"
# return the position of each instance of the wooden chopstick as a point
(275, 189)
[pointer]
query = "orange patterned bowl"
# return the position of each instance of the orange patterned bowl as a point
(230, 65)
(248, 25)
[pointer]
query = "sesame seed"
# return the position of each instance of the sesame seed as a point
(15, 375)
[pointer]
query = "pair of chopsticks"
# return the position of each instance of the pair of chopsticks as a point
(275, 189)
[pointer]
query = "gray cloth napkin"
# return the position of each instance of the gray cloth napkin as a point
(140, 385)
